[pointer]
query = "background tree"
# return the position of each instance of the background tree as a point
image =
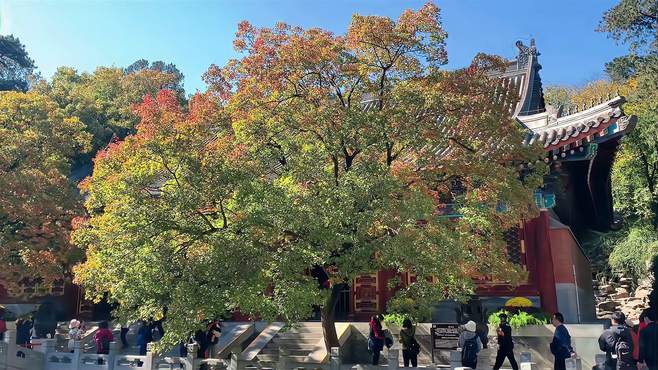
(38, 202)
(316, 158)
(103, 99)
(635, 171)
(15, 64)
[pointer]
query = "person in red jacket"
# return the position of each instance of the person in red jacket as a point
(376, 338)
(3, 323)
(635, 333)
(103, 338)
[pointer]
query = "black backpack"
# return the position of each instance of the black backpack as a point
(624, 352)
(470, 351)
(104, 345)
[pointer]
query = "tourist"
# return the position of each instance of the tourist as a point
(3, 323)
(75, 334)
(144, 336)
(561, 343)
(200, 337)
(410, 347)
(157, 328)
(505, 344)
(375, 339)
(45, 321)
(23, 328)
(649, 341)
(635, 331)
(617, 343)
(213, 332)
(125, 328)
(103, 337)
(470, 344)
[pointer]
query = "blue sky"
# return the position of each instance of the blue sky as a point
(193, 34)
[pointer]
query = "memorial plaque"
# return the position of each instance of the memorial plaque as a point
(445, 336)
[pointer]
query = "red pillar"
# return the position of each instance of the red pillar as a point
(541, 261)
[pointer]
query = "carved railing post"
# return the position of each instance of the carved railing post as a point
(335, 358)
(283, 358)
(148, 360)
(234, 363)
(393, 358)
(77, 351)
(191, 356)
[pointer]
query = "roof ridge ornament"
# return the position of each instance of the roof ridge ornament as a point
(525, 52)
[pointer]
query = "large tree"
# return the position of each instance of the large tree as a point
(313, 159)
(37, 202)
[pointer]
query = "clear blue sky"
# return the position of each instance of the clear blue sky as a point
(193, 34)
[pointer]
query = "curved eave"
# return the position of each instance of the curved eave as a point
(600, 122)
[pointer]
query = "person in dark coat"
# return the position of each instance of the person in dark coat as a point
(649, 341)
(410, 347)
(144, 336)
(610, 339)
(45, 321)
(201, 339)
(23, 328)
(505, 344)
(561, 344)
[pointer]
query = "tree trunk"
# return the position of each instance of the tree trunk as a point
(654, 209)
(328, 318)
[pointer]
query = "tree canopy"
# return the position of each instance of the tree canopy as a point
(49, 136)
(312, 150)
(103, 99)
(38, 202)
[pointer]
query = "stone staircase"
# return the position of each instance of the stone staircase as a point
(298, 343)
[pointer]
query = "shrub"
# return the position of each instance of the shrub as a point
(394, 318)
(408, 307)
(518, 318)
(631, 255)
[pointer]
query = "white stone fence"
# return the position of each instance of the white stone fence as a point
(45, 356)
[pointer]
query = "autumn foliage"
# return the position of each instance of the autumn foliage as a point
(312, 149)
(38, 202)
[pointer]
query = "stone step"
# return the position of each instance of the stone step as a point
(290, 339)
(291, 351)
(275, 358)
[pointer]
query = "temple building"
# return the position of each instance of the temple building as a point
(580, 145)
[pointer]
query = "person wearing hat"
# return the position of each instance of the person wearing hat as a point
(74, 333)
(470, 345)
(505, 344)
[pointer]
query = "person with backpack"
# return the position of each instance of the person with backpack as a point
(617, 343)
(561, 343)
(470, 344)
(649, 341)
(103, 337)
(375, 339)
(410, 347)
(505, 344)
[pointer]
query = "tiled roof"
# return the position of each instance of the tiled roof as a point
(563, 132)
